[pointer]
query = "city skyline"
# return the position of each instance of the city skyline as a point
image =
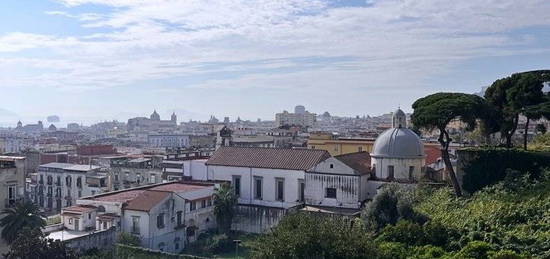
(95, 60)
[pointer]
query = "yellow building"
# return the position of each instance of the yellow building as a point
(339, 146)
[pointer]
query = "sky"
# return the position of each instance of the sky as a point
(94, 60)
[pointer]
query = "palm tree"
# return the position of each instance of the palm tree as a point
(24, 214)
(224, 207)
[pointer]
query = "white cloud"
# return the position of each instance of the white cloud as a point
(147, 40)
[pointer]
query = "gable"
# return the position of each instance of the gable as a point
(333, 166)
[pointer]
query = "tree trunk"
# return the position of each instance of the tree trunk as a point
(510, 134)
(444, 140)
(525, 135)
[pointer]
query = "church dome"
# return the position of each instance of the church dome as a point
(398, 142)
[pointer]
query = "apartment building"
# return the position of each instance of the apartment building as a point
(164, 217)
(59, 185)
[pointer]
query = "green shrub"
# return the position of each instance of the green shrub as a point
(428, 252)
(474, 250)
(483, 167)
(392, 203)
(128, 239)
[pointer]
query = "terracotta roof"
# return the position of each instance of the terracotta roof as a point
(71, 214)
(147, 200)
(122, 196)
(79, 209)
(359, 161)
(432, 153)
(179, 187)
(107, 216)
(275, 158)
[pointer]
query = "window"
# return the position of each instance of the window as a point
(93, 193)
(89, 215)
(280, 189)
(160, 221)
(41, 179)
(79, 194)
(161, 246)
(331, 166)
(411, 173)
(193, 206)
(237, 185)
(301, 191)
(79, 182)
(330, 193)
(179, 218)
(70, 221)
(360, 149)
(116, 177)
(209, 202)
(104, 224)
(390, 172)
(258, 188)
(68, 181)
(153, 178)
(135, 224)
(12, 192)
(203, 204)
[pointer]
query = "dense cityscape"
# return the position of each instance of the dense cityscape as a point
(275, 129)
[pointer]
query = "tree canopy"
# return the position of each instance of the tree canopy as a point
(25, 214)
(520, 93)
(224, 207)
(435, 111)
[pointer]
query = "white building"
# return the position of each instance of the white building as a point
(164, 217)
(61, 184)
(272, 177)
(339, 182)
(398, 153)
(168, 140)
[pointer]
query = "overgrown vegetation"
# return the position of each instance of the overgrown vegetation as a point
(132, 252)
(510, 219)
(486, 166)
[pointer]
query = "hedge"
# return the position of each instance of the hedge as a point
(132, 252)
(485, 166)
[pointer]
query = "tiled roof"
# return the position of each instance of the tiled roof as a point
(432, 153)
(359, 161)
(122, 196)
(179, 187)
(275, 158)
(107, 216)
(147, 200)
(79, 209)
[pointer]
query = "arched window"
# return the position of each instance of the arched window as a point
(100, 208)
